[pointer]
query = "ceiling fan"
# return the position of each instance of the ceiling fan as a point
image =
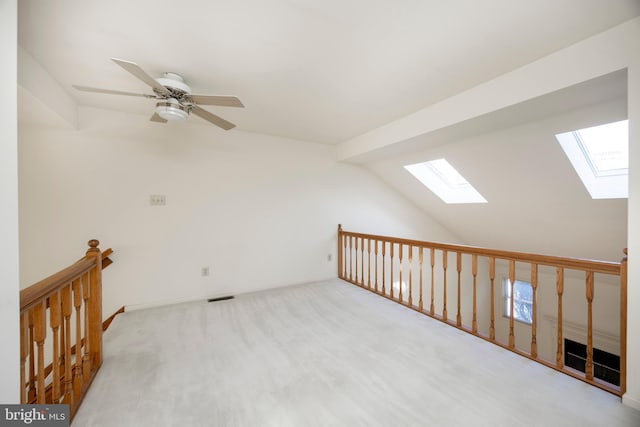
(174, 98)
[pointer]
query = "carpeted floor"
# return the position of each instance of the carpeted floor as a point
(324, 354)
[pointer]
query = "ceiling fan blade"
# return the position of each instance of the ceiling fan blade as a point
(157, 118)
(134, 69)
(210, 117)
(110, 92)
(222, 101)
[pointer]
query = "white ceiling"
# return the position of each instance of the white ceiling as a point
(317, 71)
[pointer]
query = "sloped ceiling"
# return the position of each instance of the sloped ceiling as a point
(330, 71)
(536, 202)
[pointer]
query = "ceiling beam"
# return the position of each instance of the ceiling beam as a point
(596, 56)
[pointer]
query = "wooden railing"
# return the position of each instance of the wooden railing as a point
(423, 275)
(61, 332)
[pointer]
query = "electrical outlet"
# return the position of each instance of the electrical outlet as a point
(157, 200)
(329, 257)
(204, 271)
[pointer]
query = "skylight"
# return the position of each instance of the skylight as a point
(600, 156)
(445, 181)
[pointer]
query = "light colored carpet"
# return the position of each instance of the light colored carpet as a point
(324, 354)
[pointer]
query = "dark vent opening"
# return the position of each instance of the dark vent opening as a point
(606, 366)
(220, 298)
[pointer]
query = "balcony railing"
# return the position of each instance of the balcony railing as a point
(472, 289)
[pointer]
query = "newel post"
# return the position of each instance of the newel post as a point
(95, 305)
(339, 250)
(623, 323)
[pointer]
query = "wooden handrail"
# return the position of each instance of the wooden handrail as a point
(61, 324)
(106, 261)
(44, 288)
(605, 267)
(547, 275)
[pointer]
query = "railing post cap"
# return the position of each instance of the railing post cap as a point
(93, 245)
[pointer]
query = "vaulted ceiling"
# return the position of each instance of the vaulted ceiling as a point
(331, 71)
(316, 71)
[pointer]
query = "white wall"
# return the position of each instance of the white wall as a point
(9, 304)
(632, 397)
(260, 211)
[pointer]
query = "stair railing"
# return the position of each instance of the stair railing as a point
(61, 332)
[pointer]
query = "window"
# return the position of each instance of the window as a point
(522, 300)
(600, 156)
(445, 182)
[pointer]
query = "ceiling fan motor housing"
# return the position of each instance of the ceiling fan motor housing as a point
(174, 81)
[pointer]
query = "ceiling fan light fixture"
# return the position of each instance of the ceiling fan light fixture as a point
(171, 109)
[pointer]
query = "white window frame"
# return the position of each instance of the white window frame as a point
(449, 192)
(600, 185)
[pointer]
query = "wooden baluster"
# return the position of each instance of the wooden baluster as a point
(24, 352)
(357, 282)
(420, 307)
(340, 252)
(384, 246)
(474, 272)
(31, 396)
(534, 310)
(432, 310)
(39, 335)
(459, 269)
(410, 301)
(512, 280)
(63, 340)
(65, 295)
(444, 286)
(362, 262)
(351, 259)
(77, 366)
(54, 320)
(589, 291)
(86, 358)
(623, 324)
(400, 271)
(369, 263)
(376, 263)
(559, 290)
(344, 256)
(391, 269)
(492, 276)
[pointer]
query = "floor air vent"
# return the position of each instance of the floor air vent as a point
(220, 299)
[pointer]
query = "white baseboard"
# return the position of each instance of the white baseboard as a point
(156, 304)
(630, 401)
(203, 299)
